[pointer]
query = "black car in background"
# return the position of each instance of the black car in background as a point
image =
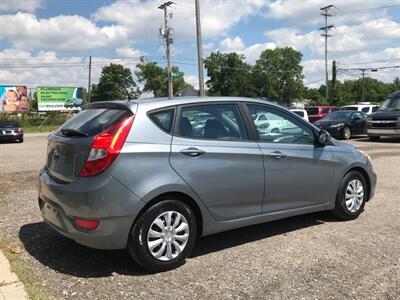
(11, 131)
(343, 124)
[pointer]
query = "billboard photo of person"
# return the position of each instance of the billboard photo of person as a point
(13, 99)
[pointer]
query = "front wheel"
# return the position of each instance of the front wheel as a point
(351, 197)
(163, 236)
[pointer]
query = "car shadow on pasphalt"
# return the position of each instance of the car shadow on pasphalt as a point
(65, 256)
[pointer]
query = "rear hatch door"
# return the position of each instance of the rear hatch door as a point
(69, 147)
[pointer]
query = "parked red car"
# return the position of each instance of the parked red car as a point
(316, 113)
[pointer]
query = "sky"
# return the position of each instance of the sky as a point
(48, 42)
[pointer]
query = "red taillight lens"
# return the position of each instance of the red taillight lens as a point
(86, 224)
(106, 147)
(20, 130)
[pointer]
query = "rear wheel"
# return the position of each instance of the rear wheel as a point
(346, 133)
(163, 236)
(351, 197)
(374, 138)
(21, 140)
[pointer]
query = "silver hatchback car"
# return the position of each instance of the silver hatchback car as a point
(154, 175)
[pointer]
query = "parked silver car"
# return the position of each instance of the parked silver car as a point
(154, 175)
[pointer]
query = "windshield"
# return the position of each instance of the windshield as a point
(390, 104)
(338, 116)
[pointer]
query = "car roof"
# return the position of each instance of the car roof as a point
(359, 105)
(154, 103)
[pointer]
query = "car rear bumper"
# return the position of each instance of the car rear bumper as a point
(100, 198)
(12, 136)
(383, 132)
(373, 178)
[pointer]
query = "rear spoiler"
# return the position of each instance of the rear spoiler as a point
(125, 105)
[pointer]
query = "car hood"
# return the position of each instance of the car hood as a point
(386, 115)
(324, 123)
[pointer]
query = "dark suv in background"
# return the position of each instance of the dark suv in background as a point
(386, 120)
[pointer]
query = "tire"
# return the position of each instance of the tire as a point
(138, 244)
(374, 138)
(342, 210)
(346, 133)
(21, 140)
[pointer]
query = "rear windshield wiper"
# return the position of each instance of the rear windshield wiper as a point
(72, 132)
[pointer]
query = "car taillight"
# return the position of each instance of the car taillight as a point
(20, 130)
(105, 148)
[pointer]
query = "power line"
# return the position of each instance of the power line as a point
(325, 13)
(166, 34)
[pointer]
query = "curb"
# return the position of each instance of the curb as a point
(11, 288)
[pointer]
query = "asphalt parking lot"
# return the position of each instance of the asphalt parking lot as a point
(312, 257)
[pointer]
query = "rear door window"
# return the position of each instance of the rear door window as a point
(91, 122)
(325, 111)
(365, 109)
(214, 121)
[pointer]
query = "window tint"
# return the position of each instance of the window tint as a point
(163, 119)
(219, 121)
(312, 110)
(374, 109)
(94, 121)
(365, 109)
(325, 111)
(280, 127)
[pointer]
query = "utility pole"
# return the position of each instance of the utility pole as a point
(325, 29)
(199, 49)
(166, 34)
(363, 84)
(90, 77)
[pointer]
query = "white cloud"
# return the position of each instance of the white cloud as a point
(308, 11)
(25, 30)
(345, 38)
(192, 80)
(129, 53)
(143, 19)
(47, 68)
(19, 5)
(252, 52)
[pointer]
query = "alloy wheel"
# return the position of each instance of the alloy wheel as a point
(168, 235)
(354, 195)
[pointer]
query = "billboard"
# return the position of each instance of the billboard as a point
(13, 98)
(59, 98)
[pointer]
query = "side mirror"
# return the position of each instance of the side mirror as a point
(324, 138)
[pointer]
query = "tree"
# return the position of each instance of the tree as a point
(155, 79)
(116, 82)
(229, 75)
(278, 74)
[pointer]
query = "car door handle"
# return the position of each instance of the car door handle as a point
(192, 151)
(277, 155)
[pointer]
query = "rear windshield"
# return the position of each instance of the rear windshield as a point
(312, 110)
(94, 121)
